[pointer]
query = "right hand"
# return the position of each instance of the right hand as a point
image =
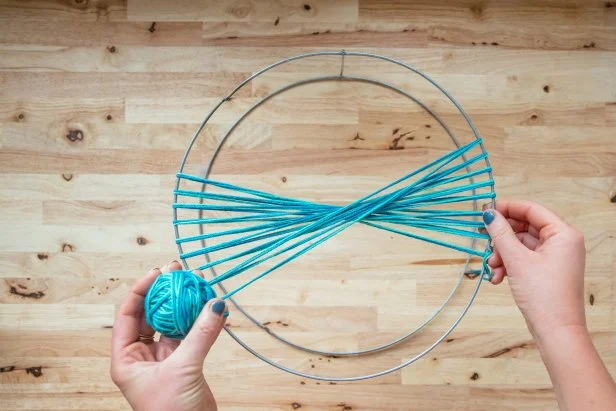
(544, 259)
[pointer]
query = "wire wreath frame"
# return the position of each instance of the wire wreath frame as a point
(343, 54)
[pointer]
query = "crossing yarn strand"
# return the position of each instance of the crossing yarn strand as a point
(272, 226)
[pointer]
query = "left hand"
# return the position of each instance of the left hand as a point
(164, 374)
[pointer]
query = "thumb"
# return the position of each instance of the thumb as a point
(509, 246)
(203, 333)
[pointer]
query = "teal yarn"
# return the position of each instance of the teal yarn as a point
(173, 302)
(273, 226)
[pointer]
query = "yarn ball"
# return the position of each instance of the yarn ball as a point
(173, 302)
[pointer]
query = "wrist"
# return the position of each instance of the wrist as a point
(561, 336)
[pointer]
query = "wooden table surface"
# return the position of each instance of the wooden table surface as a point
(99, 99)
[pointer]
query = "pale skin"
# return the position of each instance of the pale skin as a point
(163, 375)
(541, 255)
(544, 258)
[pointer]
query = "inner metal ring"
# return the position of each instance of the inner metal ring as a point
(340, 77)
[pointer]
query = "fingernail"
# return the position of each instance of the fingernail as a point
(488, 216)
(226, 314)
(218, 307)
(168, 266)
(154, 269)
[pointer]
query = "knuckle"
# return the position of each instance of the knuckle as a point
(499, 233)
(206, 328)
(577, 237)
(551, 230)
(115, 375)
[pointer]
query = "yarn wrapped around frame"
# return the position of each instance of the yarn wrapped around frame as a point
(211, 215)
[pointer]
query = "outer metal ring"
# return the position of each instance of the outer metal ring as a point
(340, 77)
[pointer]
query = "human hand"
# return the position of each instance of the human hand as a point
(544, 259)
(164, 374)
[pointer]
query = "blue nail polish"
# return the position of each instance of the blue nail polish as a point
(226, 314)
(218, 307)
(488, 216)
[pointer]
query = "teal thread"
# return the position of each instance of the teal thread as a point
(174, 301)
(279, 225)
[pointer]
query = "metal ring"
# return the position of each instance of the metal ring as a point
(257, 322)
(340, 77)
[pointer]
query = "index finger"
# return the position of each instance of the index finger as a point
(128, 320)
(536, 215)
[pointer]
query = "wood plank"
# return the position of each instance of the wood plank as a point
(100, 123)
(28, 85)
(82, 265)
(294, 11)
(85, 186)
(14, 210)
(342, 162)
(284, 33)
(512, 12)
(56, 343)
(56, 317)
(33, 34)
(513, 398)
(111, 212)
(556, 140)
(513, 113)
(479, 372)
(500, 318)
(485, 35)
(185, 57)
(96, 10)
(63, 238)
(307, 110)
(66, 163)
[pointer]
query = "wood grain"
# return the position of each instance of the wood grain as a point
(99, 99)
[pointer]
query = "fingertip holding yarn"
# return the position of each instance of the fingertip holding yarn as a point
(487, 272)
(173, 302)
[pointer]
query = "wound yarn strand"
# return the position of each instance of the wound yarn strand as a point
(276, 226)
